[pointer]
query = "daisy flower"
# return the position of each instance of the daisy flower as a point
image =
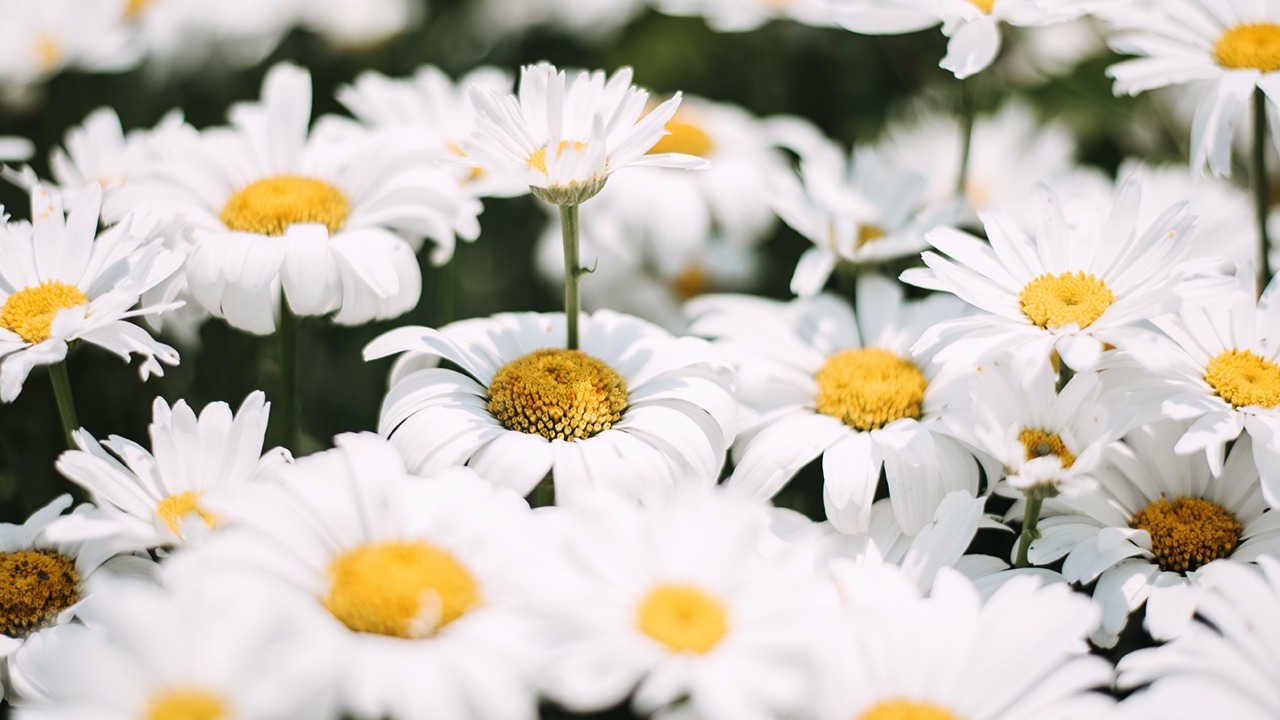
(1153, 525)
(359, 26)
(61, 281)
(1072, 287)
(595, 22)
(804, 370)
(40, 40)
(693, 597)
(635, 411)
(178, 652)
(414, 583)
(563, 136)
(744, 15)
(1225, 664)
(1233, 46)
(159, 496)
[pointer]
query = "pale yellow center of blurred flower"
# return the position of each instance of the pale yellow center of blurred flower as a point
(1255, 46)
(134, 8)
(187, 705)
(869, 234)
(35, 585)
(30, 311)
(538, 160)
(1242, 378)
(1188, 533)
(269, 206)
(869, 388)
(401, 588)
(906, 710)
(691, 283)
(682, 617)
(984, 5)
(48, 50)
(175, 507)
(558, 394)
(1039, 443)
(684, 136)
(1052, 301)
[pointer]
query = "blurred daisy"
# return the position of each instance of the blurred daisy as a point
(361, 25)
(59, 283)
(1225, 665)
(1154, 523)
(816, 382)
(182, 37)
(1234, 45)
(39, 40)
(1059, 290)
(415, 583)
(692, 598)
(594, 22)
(635, 411)
(744, 15)
(159, 496)
(563, 136)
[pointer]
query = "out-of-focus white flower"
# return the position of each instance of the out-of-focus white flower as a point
(596, 21)
(743, 15)
(360, 25)
(39, 40)
(1038, 54)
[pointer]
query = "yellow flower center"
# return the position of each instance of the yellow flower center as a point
(1242, 378)
(1042, 444)
(555, 393)
(984, 5)
(1188, 532)
(30, 312)
(269, 206)
(176, 507)
(35, 585)
(134, 8)
(405, 589)
(869, 388)
(187, 705)
(683, 618)
(691, 283)
(1255, 46)
(538, 160)
(1052, 301)
(906, 710)
(48, 51)
(869, 234)
(684, 137)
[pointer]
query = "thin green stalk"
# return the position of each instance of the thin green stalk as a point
(1261, 186)
(287, 407)
(1030, 519)
(446, 292)
(66, 403)
(572, 272)
(969, 114)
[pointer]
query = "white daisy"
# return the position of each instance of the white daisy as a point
(416, 583)
(59, 283)
(804, 370)
(1231, 45)
(184, 37)
(39, 40)
(159, 496)
(595, 22)
(563, 136)
(692, 598)
(635, 411)
(361, 25)
(1152, 526)
(744, 15)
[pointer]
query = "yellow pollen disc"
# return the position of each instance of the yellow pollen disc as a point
(1052, 301)
(984, 5)
(684, 137)
(30, 312)
(1042, 444)
(48, 51)
(187, 705)
(564, 394)
(869, 234)
(134, 8)
(538, 160)
(1255, 46)
(869, 388)
(906, 710)
(1188, 533)
(35, 585)
(406, 589)
(269, 206)
(175, 507)
(691, 283)
(1242, 378)
(683, 618)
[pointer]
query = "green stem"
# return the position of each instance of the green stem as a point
(969, 114)
(66, 403)
(446, 292)
(1030, 519)
(1261, 186)
(572, 272)
(287, 409)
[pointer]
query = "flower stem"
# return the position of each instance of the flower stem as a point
(1261, 187)
(1030, 519)
(572, 272)
(288, 390)
(66, 403)
(968, 113)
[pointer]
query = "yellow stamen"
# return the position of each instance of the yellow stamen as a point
(1043, 444)
(30, 311)
(48, 51)
(1188, 533)
(406, 589)
(1255, 46)
(870, 388)
(134, 8)
(984, 5)
(187, 705)
(176, 507)
(906, 710)
(683, 617)
(269, 206)
(1052, 301)
(558, 394)
(1242, 378)
(868, 234)
(684, 136)
(538, 160)
(691, 283)
(35, 586)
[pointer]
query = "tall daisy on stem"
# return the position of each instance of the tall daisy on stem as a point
(563, 137)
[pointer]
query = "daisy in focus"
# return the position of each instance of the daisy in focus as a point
(635, 411)
(61, 282)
